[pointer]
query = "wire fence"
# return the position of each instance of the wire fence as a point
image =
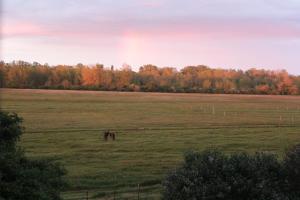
(135, 193)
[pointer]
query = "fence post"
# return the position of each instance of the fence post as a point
(138, 191)
(87, 195)
(280, 120)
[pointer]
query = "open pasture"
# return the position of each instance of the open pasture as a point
(153, 132)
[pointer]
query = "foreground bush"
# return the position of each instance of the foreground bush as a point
(214, 175)
(292, 167)
(20, 177)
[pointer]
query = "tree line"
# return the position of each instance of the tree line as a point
(149, 78)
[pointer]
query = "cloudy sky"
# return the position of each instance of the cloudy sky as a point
(219, 33)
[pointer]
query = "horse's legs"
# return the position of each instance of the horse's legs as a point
(113, 136)
(106, 135)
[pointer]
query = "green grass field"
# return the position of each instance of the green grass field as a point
(153, 132)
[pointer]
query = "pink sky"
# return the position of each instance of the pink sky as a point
(218, 33)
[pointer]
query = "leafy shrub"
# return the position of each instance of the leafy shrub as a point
(292, 168)
(10, 131)
(22, 178)
(214, 175)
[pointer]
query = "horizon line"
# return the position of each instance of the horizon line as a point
(119, 67)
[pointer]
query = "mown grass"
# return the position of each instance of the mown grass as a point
(153, 132)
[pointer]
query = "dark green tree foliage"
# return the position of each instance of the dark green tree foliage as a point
(214, 175)
(292, 167)
(10, 130)
(20, 177)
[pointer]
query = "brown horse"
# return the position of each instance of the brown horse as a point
(111, 135)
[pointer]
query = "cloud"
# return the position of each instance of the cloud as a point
(211, 28)
(22, 29)
(222, 19)
(152, 3)
(183, 30)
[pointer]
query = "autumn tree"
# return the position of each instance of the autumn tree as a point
(149, 77)
(2, 74)
(123, 78)
(200, 78)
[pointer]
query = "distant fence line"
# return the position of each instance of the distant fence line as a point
(138, 193)
(212, 126)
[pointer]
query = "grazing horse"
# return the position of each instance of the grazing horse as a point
(109, 134)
